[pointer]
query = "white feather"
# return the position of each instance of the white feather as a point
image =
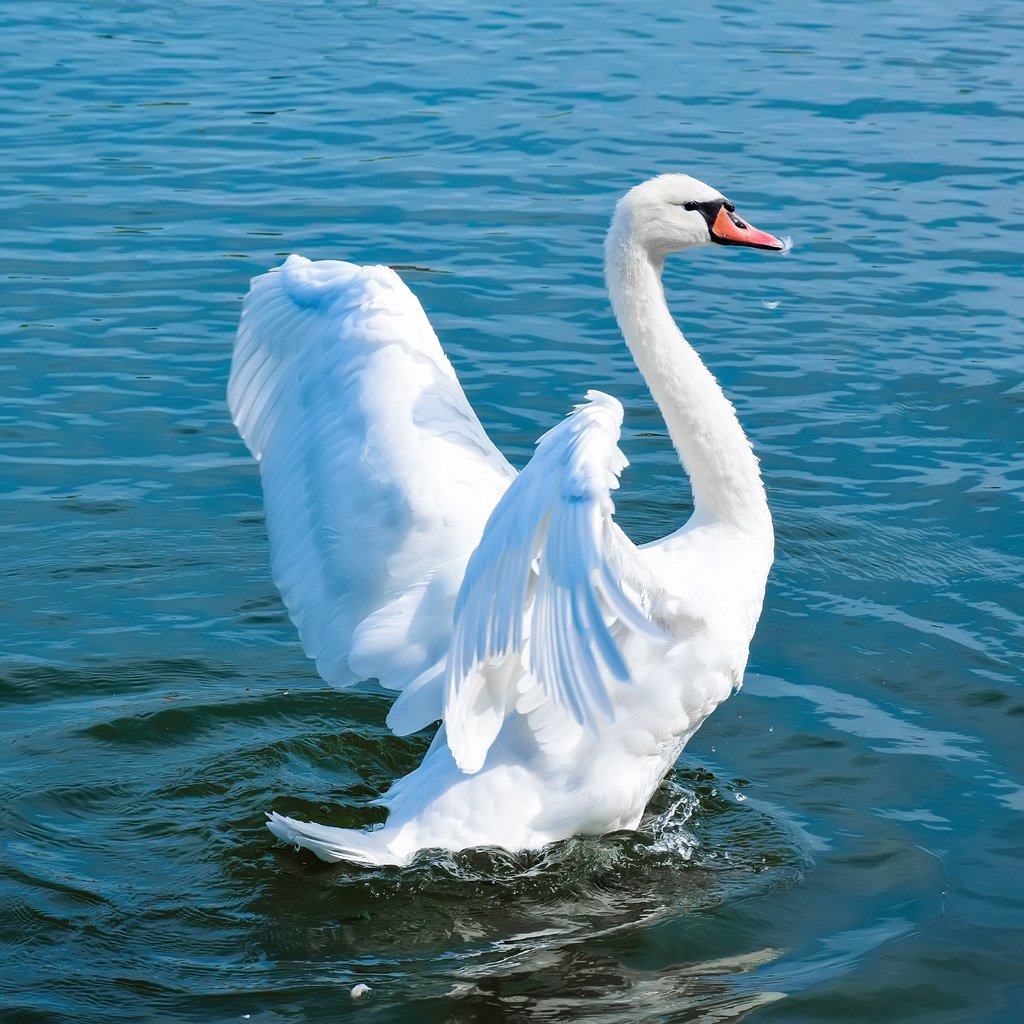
(552, 570)
(377, 475)
(569, 666)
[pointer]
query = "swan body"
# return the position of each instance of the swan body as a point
(567, 666)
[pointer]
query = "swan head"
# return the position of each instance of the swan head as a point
(674, 212)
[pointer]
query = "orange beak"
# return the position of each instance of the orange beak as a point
(728, 229)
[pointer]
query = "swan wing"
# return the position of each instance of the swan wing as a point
(553, 591)
(377, 475)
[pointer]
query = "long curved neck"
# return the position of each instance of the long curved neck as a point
(701, 421)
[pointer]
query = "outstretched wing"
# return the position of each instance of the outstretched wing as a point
(377, 475)
(554, 588)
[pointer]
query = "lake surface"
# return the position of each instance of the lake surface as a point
(843, 840)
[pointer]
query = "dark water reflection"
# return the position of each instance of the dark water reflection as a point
(587, 929)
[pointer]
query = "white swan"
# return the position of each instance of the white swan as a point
(568, 666)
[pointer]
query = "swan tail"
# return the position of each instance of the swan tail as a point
(334, 844)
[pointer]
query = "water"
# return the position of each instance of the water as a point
(843, 839)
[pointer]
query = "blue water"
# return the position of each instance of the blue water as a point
(843, 840)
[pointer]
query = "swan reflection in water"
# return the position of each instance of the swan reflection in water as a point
(624, 927)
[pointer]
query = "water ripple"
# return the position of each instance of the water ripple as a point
(843, 830)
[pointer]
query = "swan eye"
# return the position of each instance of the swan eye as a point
(690, 206)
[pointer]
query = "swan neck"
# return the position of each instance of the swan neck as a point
(701, 421)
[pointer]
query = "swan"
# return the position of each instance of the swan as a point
(567, 666)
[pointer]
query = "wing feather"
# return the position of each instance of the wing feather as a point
(377, 475)
(553, 588)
